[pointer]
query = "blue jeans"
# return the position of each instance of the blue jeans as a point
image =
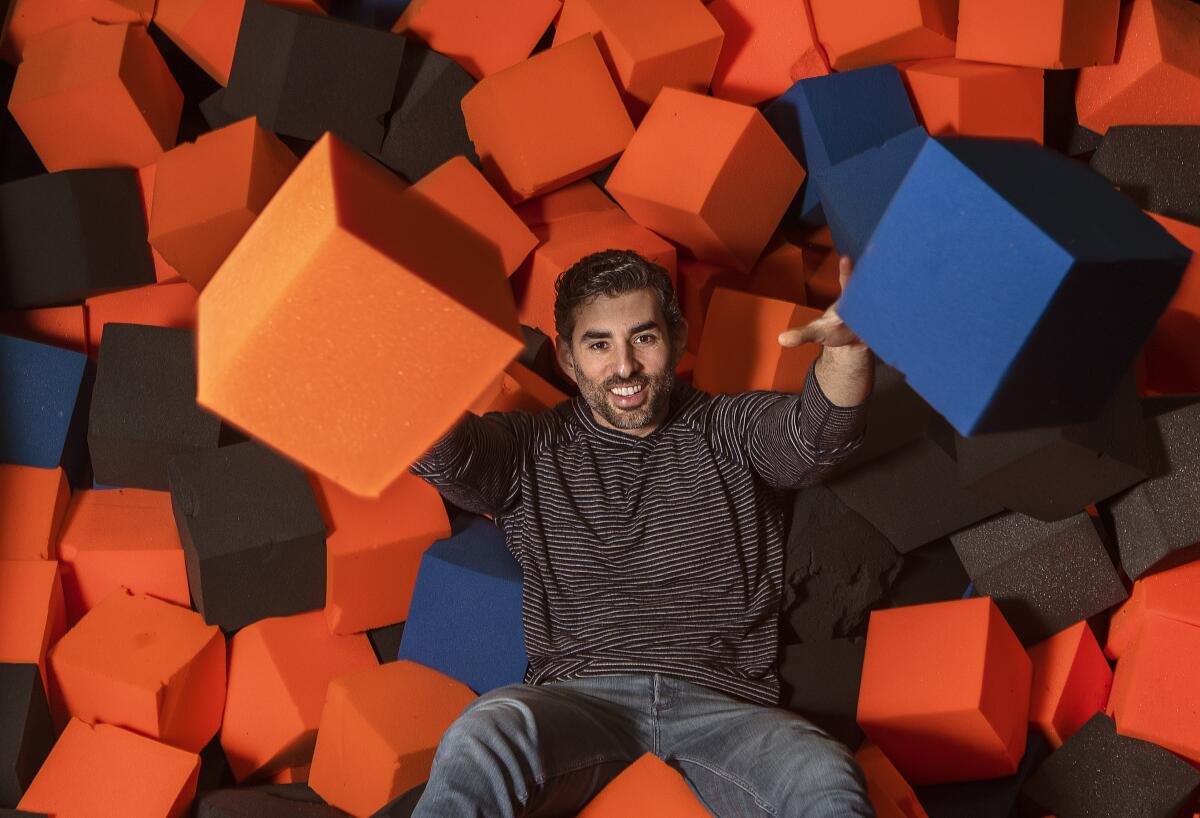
(546, 750)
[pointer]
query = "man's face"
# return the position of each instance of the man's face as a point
(623, 342)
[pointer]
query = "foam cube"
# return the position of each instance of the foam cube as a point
(279, 669)
(207, 193)
(379, 730)
(29, 18)
(104, 771)
(144, 409)
(164, 273)
(44, 388)
(647, 46)
(564, 242)
(889, 793)
(1156, 521)
(826, 120)
(932, 573)
(26, 731)
(1099, 773)
(386, 641)
(1057, 34)
(1155, 77)
(819, 680)
(695, 283)
(648, 786)
(1170, 594)
(145, 665)
(33, 502)
(547, 121)
(521, 389)
(896, 417)
(484, 37)
(863, 33)
(304, 74)
(686, 170)
(769, 44)
(945, 691)
(253, 537)
(428, 127)
(781, 272)
(958, 96)
(1071, 682)
(32, 616)
(562, 203)
(64, 327)
(251, 802)
(110, 84)
(343, 334)
(123, 538)
(374, 549)
(465, 618)
(1170, 354)
(1152, 165)
(993, 798)
(1015, 363)
(160, 305)
(71, 235)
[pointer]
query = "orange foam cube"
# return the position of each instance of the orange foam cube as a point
(781, 272)
(1154, 692)
(482, 36)
(459, 189)
(519, 389)
(207, 30)
(29, 18)
(159, 305)
(207, 193)
(64, 327)
(565, 242)
(861, 33)
(120, 538)
(769, 44)
(890, 794)
(32, 616)
(103, 771)
(374, 548)
(945, 691)
(957, 97)
(1172, 352)
(740, 349)
(145, 665)
(1156, 77)
(1172, 594)
(647, 46)
(575, 199)
(547, 121)
(696, 282)
(1038, 33)
(822, 282)
(95, 95)
(360, 303)
(708, 174)
(33, 502)
(279, 669)
(648, 786)
(1071, 682)
(164, 273)
(379, 731)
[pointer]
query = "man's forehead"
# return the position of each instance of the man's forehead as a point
(626, 313)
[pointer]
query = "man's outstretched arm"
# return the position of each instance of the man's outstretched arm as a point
(475, 464)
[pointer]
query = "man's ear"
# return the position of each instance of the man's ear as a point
(562, 349)
(679, 340)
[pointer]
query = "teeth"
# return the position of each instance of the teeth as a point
(626, 391)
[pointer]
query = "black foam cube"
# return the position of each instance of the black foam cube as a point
(932, 573)
(1099, 774)
(820, 681)
(1155, 165)
(265, 802)
(213, 110)
(838, 567)
(26, 732)
(402, 806)
(428, 128)
(253, 536)
(896, 416)
(386, 641)
(144, 409)
(1061, 129)
(70, 235)
(303, 75)
(994, 798)
(1052, 473)
(1156, 522)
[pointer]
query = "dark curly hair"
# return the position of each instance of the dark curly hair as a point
(612, 273)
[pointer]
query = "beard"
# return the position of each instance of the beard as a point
(658, 390)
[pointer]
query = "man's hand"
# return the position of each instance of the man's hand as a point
(829, 330)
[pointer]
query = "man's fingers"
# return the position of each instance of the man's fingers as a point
(802, 335)
(845, 266)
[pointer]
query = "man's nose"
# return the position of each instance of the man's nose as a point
(627, 362)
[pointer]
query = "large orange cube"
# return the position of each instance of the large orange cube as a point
(379, 731)
(145, 665)
(695, 284)
(1171, 594)
(769, 44)
(29, 18)
(945, 691)
(1071, 682)
(32, 504)
(32, 616)
(1038, 33)
(708, 174)
(547, 121)
(93, 95)
(648, 786)
(959, 97)
(158, 305)
(375, 316)
(861, 33)
(164, 273)
(279, 669)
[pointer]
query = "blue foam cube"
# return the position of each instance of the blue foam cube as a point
(39, 388)
(465, 617)
(1011, 285)
(826, 120)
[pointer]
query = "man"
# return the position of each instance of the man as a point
(648, 520)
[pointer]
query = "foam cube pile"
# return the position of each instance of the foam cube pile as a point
(258, 256)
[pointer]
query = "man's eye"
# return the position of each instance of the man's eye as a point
(651, 337)
(597, 344)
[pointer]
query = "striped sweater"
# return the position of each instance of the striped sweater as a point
(661, 553)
